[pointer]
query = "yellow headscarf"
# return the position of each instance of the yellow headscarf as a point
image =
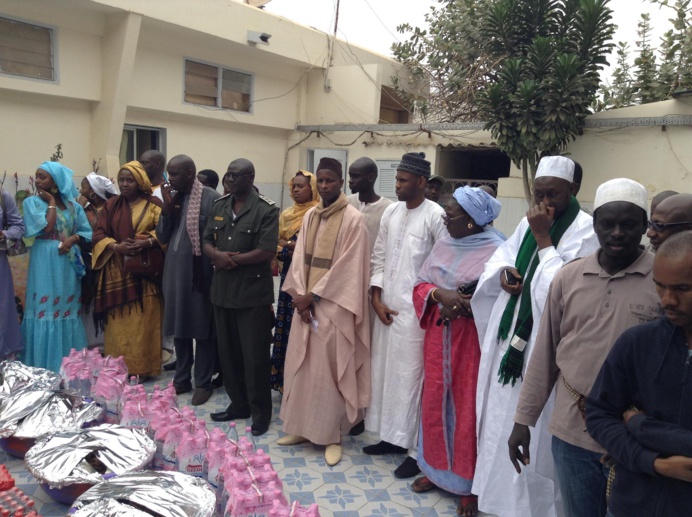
(140, 176)
(291, 218)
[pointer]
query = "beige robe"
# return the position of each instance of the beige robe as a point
(327, 371)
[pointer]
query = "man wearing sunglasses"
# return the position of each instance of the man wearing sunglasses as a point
(671, 216)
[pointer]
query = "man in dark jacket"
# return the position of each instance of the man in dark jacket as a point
(640, 408)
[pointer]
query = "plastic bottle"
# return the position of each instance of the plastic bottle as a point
(233, 431)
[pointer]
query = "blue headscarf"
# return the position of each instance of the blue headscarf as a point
(481, 206)
(62, 176)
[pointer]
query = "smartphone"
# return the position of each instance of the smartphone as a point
(511, 279)
(469, 288)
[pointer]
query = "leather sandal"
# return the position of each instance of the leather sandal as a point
(422, 484)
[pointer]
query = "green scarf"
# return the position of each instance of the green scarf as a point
(526, 263)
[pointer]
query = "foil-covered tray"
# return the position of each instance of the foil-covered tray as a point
(89, 455)
(15, 375)
(33, 412)
(164, 494)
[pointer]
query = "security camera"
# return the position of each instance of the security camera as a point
(255, 37)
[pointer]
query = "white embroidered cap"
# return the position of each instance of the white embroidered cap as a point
(621, 189)
(556, 167)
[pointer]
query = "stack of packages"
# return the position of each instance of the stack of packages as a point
(242, 477)
(13, 502)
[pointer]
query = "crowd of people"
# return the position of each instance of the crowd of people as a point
(416, 320)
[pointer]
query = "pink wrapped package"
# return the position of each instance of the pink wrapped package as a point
(294, 510)
(161, 429)
(170, 444)
(134, 414)
(191, 453)
(116, 363)
(254, 501)
(78, 379)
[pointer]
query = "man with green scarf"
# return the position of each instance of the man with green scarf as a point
(507, 308)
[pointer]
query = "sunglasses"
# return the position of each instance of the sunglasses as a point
(662, 227)
(235, 175)
(448, 220)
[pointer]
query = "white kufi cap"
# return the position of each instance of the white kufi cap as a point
(621, 189)
(556, 167)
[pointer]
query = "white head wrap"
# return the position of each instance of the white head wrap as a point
(556, 167)
(621, 189)
(101, 185)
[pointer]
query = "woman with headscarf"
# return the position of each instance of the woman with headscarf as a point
(303, 190)
(95, 191)
(442, 296)
(128, 306)
(52, 324)
(11, 229)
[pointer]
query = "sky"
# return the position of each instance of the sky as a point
(372, 23)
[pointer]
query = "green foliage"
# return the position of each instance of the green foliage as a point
(654, 76)
(528, 67)
(447, 63)
(553, 53)
(57, 155)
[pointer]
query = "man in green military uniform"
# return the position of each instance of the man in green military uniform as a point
(240, 239)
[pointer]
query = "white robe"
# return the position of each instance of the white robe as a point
(501, 491)
(403, 243)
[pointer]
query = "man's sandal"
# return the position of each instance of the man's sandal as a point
(422, 484)
(468, 506)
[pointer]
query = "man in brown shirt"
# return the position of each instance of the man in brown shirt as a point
(591, 302)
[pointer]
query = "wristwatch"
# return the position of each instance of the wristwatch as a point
(316, 298)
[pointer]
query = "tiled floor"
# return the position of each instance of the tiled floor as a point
(360, 485)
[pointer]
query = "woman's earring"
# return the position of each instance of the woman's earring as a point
(470, 226)
(54, 189)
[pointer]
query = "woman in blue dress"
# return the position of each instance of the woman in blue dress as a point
(52, 324)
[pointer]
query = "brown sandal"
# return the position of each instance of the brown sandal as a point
(422, 484)
(468, 506)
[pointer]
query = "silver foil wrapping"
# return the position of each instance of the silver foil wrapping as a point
(15, 376)
(33, 412)
(61, 459)
(166, 494)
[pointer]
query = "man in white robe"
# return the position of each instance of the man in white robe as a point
(408, 231)
(500, 489)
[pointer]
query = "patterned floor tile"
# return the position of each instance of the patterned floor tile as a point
(369, 477)
(382, 509)
(300, 479)
(400, 492)
(340, 497)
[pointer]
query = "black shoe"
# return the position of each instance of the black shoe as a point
(182, 388)
(383, 448)
(259, 429)
(357, 429)
(229, 414)
(407, 469)
(170, 367)
(218, 382)
(201, 396)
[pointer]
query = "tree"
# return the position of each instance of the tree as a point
(654, 76)
(530, 68)
(446, 62)
(621, 93)
(551, 54)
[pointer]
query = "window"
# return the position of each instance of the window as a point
(138, 139)
(210, 85)
(26, 50)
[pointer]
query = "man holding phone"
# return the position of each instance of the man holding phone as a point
(508, 305)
